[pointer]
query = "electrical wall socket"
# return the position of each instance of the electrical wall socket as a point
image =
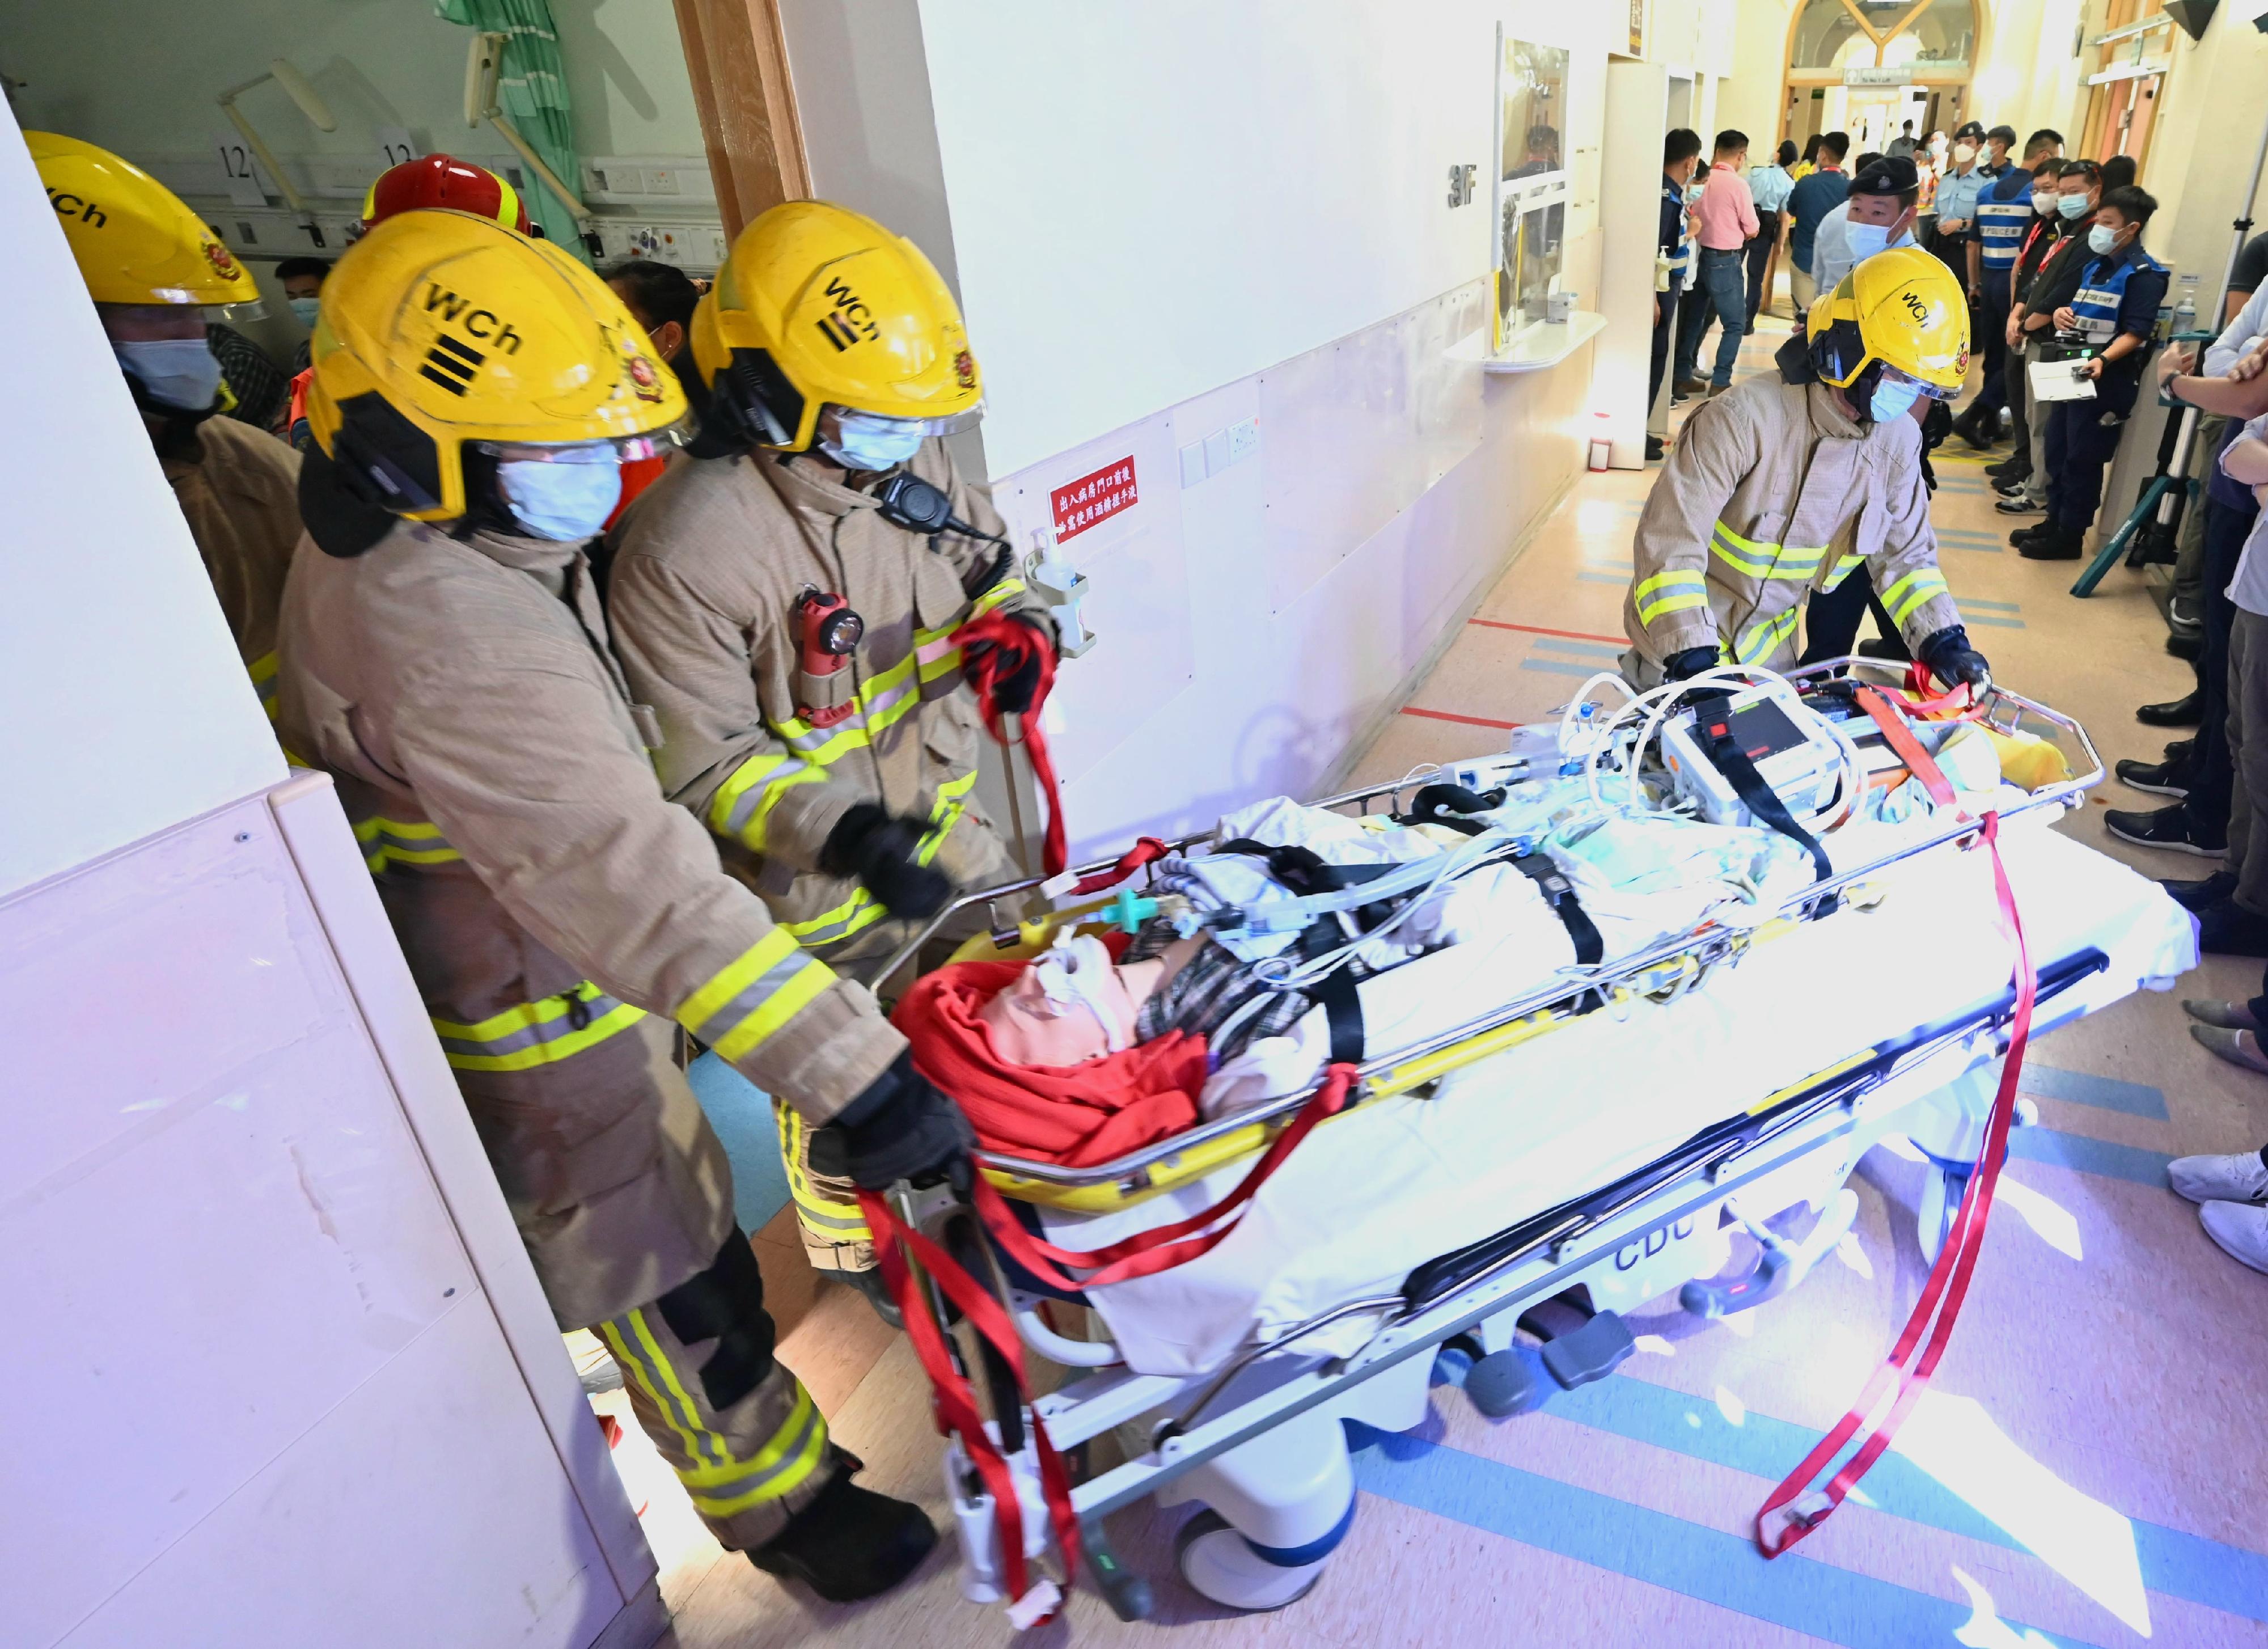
(1243, 440)
(660, 181)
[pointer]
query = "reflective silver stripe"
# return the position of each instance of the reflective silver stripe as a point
(751, 995)
(579, 1014)
(744, 805)
(786, 1458)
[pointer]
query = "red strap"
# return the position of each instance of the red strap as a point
(955, 1402)
(1958, 700)
(1149, 1252)
(1900, 737)
(1012, 642)
(1145, 851)
(1948, 1279)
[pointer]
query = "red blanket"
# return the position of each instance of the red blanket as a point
(1076, 1115)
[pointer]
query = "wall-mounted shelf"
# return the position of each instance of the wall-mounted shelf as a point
(1535, 350)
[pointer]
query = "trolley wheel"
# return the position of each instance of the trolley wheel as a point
(1220, 1565)
(1508, 1382)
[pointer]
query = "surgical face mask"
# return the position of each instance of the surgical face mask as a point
(1963, 153)
(865, 440)
(2103, 241)
(2072, 205)
(1891, 397)
(1865, 240)
(174, 371)
(307, 309)
(2045, 204)
(568, 500)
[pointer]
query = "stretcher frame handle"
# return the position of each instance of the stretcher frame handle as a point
(2001, 708)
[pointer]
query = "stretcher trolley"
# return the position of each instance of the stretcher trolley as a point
(1593, 1145)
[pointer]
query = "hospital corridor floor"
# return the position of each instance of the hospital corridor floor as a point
(2081, 1471)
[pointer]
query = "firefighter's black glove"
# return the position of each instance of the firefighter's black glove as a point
(880, 851)
(901, 1127)
(1952, 659)
(1013, 689)
(1683, 666)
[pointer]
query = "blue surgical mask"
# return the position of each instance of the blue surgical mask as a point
(865, 440)
(172, 371)
(2103, 241)
(1865, 240)
(567, 501)
(307, 309)
(2072, 205)
(1892, 397)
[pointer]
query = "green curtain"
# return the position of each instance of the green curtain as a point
(532, 91)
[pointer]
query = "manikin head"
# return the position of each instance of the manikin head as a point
(1070, 1005)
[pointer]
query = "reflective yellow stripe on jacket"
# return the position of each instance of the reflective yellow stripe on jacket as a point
(743, 804)
(1908, 592)
(860, 911)
(754, 994)
(537, 1033)
(1755, 558)
(386, 842)
(1673, 592)
(1843, 569)
(1763, 637)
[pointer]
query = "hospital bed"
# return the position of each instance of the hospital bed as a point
(1593, 1146)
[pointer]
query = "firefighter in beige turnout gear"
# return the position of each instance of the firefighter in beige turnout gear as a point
(1788, 483)
(835, 361)
(447, 659)
(156, 274)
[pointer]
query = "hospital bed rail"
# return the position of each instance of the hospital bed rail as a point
(1689, 957)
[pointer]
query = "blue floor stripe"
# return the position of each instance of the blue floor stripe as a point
(2104, 1093)
(1969, 601)
(1797, 1592)
(1564, 666)
(1992, 621)
(1589, 649)
(2187, 1566)
(2088, 1155)
(1602, 577)
(1980, 549)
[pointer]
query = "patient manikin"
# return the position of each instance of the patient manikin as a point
(1073, 1003)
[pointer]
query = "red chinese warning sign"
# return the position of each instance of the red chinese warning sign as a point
(1093, 499)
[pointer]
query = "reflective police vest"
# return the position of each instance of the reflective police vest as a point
(2103, 289)
(1680, 252)
(2001, 223)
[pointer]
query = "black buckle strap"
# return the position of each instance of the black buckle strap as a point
(1713, 723)
(1559, 893)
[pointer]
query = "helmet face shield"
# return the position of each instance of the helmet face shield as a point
(1921, 385)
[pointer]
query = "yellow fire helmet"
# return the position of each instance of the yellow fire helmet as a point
(819, 306)
(135, 239)
(441, 331)
(1900, 311)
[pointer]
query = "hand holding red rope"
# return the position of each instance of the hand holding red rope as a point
(996, 649)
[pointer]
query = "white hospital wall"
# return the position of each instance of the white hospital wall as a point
(285, 1374)
(1163, 220)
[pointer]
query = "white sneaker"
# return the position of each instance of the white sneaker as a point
(2240, 1229)
(2236, 1178)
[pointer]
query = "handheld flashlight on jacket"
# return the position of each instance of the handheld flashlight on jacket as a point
(830, 633)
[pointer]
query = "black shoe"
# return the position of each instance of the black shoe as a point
(2013, 502)
(2225, 928)
(1652, 449)
(2024, 535)
(2056, 544)
(2185, 712)
(2017, 465)
(2179, 749)
(2014, 485)
(1966, 428)
(2169, 777)
(849, 1544)
(2167, 827)
(2190, 648)
(2198, 896)
(1690, 386)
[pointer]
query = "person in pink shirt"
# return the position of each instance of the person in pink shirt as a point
(1727, 221)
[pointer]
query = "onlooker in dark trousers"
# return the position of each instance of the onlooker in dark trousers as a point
(1813, 197)
(1681, 153)
(1769, 187)
(2187, 602)
(1726, 222)
(2004, 214)
(2116, 309)
(2200, 770)
(2078, 190)
(2040, 241)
